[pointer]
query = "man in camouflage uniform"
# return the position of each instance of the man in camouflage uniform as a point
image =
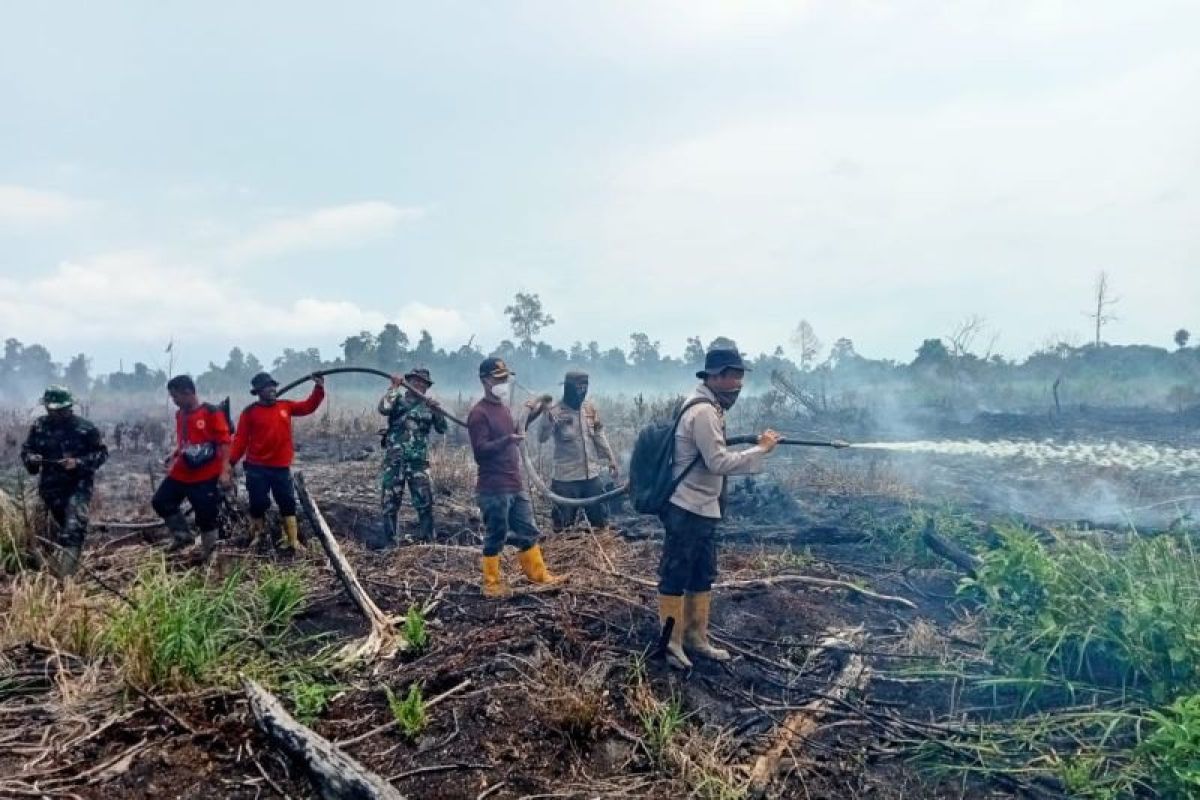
(64, 451)
(406, 451)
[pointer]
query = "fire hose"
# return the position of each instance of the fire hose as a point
(530, 468)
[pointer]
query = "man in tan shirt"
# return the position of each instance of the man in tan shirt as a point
(702, 463)
(582, 454)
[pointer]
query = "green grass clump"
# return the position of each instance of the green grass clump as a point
(900, 540)
(178, 631)
(661, 724)
(410, 713)
(310, 697)
(279, 594)
(1171, 754)
(416, 631)
(1081, 613)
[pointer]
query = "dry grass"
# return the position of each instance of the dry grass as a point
(570, 696)
(59, 617)
(452, 469)
(874, 478)
(924, 639)
(15, 535)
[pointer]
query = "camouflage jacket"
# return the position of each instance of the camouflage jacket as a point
(409, 425)
(53, 439)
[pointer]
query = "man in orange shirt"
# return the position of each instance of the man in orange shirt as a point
(199, 463)
(264, 437)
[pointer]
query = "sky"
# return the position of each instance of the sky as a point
(285, 174)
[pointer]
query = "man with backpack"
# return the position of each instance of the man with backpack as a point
(503, 503)
(701, 462)
(199, 468)
(264, 437)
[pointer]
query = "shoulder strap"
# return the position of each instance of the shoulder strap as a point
(695, 401)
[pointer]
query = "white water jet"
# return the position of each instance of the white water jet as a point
(1120, 455)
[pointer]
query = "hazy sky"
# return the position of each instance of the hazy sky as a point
(285, 173)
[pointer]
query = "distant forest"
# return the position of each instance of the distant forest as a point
(950, 371)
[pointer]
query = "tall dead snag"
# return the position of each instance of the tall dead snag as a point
(802, 723)
(335, 775)
(384, 640)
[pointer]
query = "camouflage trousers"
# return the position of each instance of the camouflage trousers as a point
(70, 511)
(392, 480)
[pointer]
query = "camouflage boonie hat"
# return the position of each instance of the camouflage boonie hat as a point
(420, 373)
(56, 398)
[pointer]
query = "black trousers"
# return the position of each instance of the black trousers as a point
(263, 483)
(562, 517)
(689, 554)
(204, 497)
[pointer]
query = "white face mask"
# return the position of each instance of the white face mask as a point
(502, 391)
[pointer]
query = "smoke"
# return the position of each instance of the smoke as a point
(1117, 483)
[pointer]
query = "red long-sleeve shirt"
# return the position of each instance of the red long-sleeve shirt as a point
(264, 432)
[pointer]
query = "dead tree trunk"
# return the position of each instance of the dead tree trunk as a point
(384, 639)
(335, 775)
(801, 724)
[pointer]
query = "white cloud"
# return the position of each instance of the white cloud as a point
(450, 327)
(137, 296)
(24, 206)
(958, 208)
(325, 228)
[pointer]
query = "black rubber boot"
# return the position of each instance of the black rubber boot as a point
(181, 532)
(425, 528)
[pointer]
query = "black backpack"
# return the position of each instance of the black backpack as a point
(653, 461)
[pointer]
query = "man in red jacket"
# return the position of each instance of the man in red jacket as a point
(264, 437)
(199, 463)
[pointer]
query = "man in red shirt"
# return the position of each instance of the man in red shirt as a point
(264, 437)
(198, 466)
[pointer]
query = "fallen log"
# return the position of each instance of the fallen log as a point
(335, 775)
(948, 549)
(804, 722)
(384, 640)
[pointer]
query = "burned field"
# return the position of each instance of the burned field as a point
(887, 644)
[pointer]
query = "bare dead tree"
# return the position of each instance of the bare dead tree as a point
(1101, 316)
(964, 335)
(805, 340)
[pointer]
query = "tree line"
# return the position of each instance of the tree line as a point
(958, 364)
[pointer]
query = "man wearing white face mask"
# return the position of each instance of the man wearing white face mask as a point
(507, 512)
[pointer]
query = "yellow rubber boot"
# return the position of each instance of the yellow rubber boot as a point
(291, 533)
(493, 585)
(670, 607)
(535, 568)
(696, 608)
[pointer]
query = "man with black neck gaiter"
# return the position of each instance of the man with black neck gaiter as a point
(582, 455)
